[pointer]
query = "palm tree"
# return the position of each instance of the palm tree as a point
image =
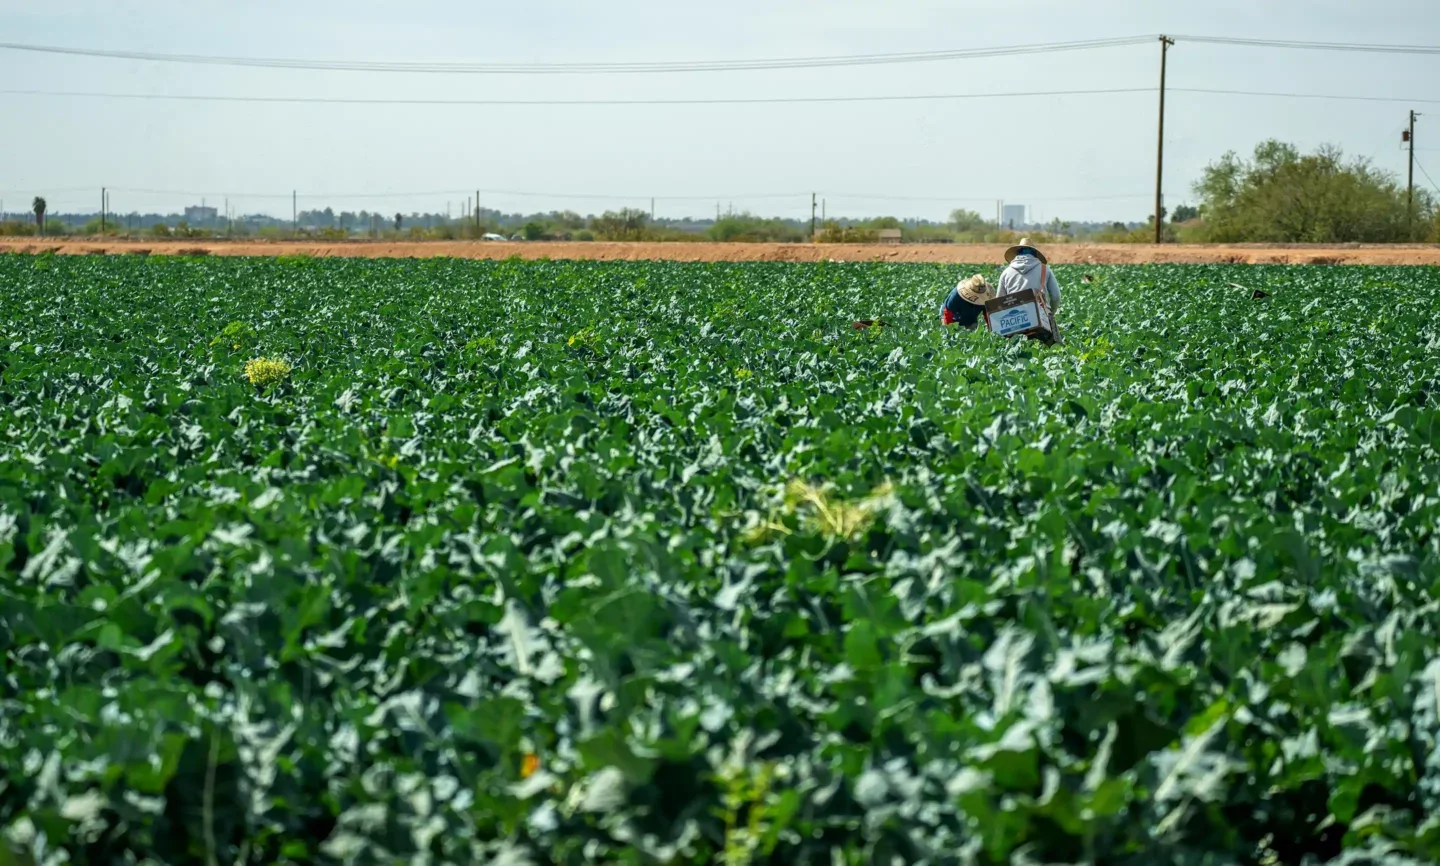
(39, 205)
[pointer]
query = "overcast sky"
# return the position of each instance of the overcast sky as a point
(1074, 157)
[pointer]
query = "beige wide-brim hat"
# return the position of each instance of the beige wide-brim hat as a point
(1014, 251)
(975, 291)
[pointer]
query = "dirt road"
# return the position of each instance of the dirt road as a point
(1100, 254)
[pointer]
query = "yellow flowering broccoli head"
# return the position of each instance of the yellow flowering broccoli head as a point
(266, 371)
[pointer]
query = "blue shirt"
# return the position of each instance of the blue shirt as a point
(957, 310)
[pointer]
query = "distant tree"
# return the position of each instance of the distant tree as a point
(534, 231)
(1281, 195)
(40, 206)
(748, 228)
(963, 221)
(628, 224)
(1184, 213)
(834, 233)
(398, 220)
(568, 219)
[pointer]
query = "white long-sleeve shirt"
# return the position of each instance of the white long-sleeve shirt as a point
(1024, 273)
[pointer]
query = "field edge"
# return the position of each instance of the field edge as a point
(977, 254)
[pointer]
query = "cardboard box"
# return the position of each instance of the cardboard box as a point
(1021, 314)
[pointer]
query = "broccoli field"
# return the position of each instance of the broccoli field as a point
(431, 561)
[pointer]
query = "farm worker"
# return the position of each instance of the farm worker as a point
(966, 302)
(1027, 268)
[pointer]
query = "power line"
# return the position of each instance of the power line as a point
(1284, 95)
(600, 197)
(73, 189)
(763, 100)
(510, 193)
(650, 67)
(587, 68)
(436, 193)
(1427, 176)
(1369, 47)
(990, 198)
(285, 195)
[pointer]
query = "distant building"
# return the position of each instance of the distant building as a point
(1013, 216)
(889, 236)
(200, 215)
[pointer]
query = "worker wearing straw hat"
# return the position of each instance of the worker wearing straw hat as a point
(966, 302)
(1027, 268)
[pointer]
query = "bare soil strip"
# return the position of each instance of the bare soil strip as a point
(1098, 254)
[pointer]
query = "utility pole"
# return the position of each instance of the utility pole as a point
(294, 213)
(1410, 196)
(229, 223)
(1165, 43)
(102, 211)
(477, 213)
(823, 217)
(652, 209)
(812, 217)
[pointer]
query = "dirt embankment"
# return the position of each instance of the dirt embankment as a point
(1099, 254)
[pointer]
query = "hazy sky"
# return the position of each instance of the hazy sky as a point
(1080, 157)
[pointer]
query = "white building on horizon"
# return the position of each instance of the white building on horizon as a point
(201, 214)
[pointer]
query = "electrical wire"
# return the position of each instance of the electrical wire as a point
(675, 66)
(1284, 95)
(284, 195)
(509, 193)
(763, 100)
(1427, 176)
(950, 198)
(458, 193)
(503, 193)
(588, 68)
(1381, 48)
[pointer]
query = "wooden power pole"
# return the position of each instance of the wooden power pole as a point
(1165, 43)
(812, 217)
(102, 200)
(1410, 195)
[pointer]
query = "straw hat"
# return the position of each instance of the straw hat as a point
(975, 291)
(1014, 251)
